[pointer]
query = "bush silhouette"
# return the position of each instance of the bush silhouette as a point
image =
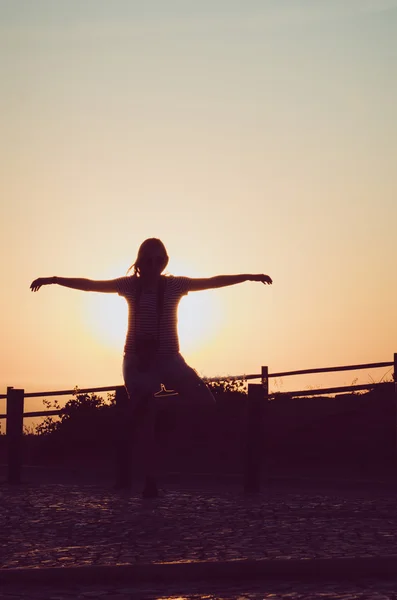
(87, 427)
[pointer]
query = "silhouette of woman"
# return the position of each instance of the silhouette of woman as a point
(151, 350)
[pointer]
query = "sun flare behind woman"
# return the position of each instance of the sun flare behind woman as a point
(200, 319)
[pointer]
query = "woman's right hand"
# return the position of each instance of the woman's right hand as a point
(37, 283)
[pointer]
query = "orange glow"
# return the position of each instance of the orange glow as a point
(163, 124)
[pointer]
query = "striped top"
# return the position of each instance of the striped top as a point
(143, 320)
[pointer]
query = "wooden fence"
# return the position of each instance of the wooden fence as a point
(258, 397)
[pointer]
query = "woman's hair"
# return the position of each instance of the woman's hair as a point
(142, 252)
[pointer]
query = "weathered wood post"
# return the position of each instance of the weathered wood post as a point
(395, 402)
(253, 447)
(14, 434)
(122, 436)
(265, 416)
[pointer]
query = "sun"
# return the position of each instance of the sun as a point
(106, 318)
(199, 319)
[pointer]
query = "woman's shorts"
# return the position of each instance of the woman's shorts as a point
(172, 372)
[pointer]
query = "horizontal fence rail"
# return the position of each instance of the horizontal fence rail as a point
(304, 371)
(334, 369)
(109, 388)
(322, 391)
(249, 377)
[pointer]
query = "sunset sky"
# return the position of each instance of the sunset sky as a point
(251, 136)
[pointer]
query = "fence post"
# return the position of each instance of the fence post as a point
(122, 433)
(265, 382)
(265, 413)
(253, 450)
(395, 402)
(14, 434)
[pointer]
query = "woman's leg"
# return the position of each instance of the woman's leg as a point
(197, 407)
(141, 388)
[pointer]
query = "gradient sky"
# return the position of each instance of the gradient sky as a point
(255, 136)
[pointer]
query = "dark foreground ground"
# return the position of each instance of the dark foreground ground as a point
(68, 537)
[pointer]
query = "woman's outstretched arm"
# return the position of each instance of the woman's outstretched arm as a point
(210, 283)
(86, 285)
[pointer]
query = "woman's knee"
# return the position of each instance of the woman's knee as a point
(196, 392)
(182, 378)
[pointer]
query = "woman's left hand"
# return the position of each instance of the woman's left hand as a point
(265, 279)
